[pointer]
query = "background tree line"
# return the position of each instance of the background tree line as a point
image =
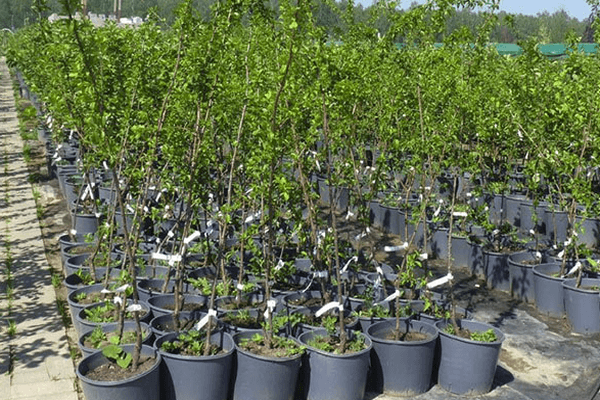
(545, 27)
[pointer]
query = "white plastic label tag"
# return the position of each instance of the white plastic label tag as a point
(121, 289)
(391, 249)
(193, 236)
(353, 259)
(134, 308)
(279, 265)
(204, 320)
(440, 281)
(392, 296)
(327, 307)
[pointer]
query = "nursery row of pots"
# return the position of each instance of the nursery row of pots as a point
(395, 367)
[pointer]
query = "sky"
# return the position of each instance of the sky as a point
(575, 8)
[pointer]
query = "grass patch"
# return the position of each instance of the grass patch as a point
(11, 331)
(27, 152)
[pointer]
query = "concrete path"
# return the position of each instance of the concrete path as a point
(34, 362)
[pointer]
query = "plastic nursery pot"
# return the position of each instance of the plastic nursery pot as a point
(582, 305)
(165, 324)
(83, 325)
(148, 288)
(265, 378)
(520, 266)
(145, 386)
(496, 270)
(164, 304)
(328, 376)
(467, 367)
(74, 305)
(128, 326)
(549, 296)
(196, 377)
(402, 368)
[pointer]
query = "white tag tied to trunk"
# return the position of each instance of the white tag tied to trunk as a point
(391, 249)
(462, 214)
(105, 291)
(437, 211)
(440, 281)
(392, 296)
(204, 320)
(532, 232)
(349, 215)
(423, 256)
(240, 287)
(56, 160)
(362, 235)
(98, 215)
(118, 300)
(567, 242)
(193, 236)
(167, 257)
(538, 255)
(495, 232)
(131, 210)
(105, 165)
(353, 259)
(379, 271)
(134, 308)
(271, 304)
(73, 232)
(280, 264)
(327, 307)
(321, 274)
(575, 268)
(561, 254)
(170, 234)
(121, 289)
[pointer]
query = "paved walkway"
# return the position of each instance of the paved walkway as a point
(35, 362)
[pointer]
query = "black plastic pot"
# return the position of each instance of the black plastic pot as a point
(148, 288)
(265, 378)
(74, 306)
(520, 266)
(328, 376)
(145, 386)
(476, 261)
(557, 224)
(496, 270)
(84, 222)
(467, 367)
(582, 305)
(162, 304)
(164, 324)
(128, 326)
(549, 297)
(402, 368)
(196, 377)
(461, 251)
(83, 325)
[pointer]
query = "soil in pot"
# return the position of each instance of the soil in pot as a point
(191, 343)
(242, 319)
(280, 346)
(98, 339)
(112, 372)
(184, 324)
(332, 344)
